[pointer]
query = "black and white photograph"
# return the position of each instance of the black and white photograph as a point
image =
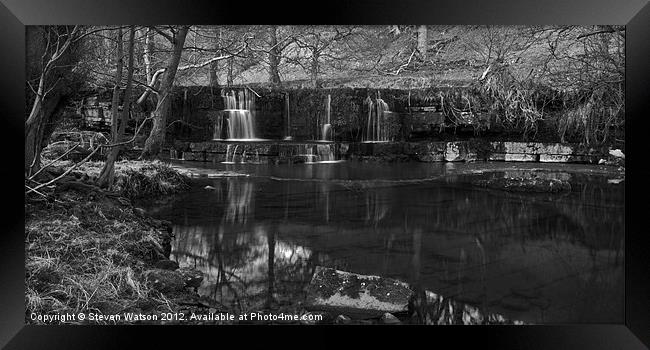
(325, 174)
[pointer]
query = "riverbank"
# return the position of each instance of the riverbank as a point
(91, 251)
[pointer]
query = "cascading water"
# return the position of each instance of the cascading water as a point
(325, 153)
(326, 130)
(230, 156)
(236, 121)
(376, 130)
(288, 121)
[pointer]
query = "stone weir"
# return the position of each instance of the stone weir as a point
(280, 152)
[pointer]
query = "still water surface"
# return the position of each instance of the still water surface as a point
(540, 258)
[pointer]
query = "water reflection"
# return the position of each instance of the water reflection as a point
(534, 257)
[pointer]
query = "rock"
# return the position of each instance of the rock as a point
(617, 153)
(165, 281)
(389, 318)
(193, 278)
(342, 319)
(316, 318)
(166, 265)
(526, 184)
(357, 296)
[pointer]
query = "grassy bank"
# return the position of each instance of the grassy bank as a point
(91, 251)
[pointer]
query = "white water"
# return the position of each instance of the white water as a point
(237, 121)
(376, 130)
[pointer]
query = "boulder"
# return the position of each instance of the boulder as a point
(165, 281)
(166, 264)
(389, 318)
(617, 153)
(192, 277)
(342, 319)
(357, 296)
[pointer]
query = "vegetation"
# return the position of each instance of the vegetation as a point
(88, 250)
(568, 79)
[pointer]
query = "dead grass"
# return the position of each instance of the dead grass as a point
(136, 178)
(88, 257)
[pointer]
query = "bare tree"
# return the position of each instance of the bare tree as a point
(154, 143)
(56, 44)
(107, 174)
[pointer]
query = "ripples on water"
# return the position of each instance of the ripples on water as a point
(538, 258)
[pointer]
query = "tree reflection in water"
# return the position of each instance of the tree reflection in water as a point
(532, 257)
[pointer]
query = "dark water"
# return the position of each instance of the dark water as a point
(538, 258)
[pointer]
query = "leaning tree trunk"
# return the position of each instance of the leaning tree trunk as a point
(107, 174)
(154, 143)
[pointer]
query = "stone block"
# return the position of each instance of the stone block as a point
(554, 158)
(555, 149)
(519, 157)
(497, 157)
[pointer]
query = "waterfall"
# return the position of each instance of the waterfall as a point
(326, 129)
(325, 153)
(376, 127)
(288, 119)
(236, 121)
(231, 159)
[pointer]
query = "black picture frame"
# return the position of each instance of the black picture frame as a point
(16, 14)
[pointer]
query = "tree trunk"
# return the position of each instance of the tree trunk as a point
(314, 70)
(422, 42)
(107, 174)
(213, 77)
(154, 143)
(115, 101)
(230, 77)
(47, 99)
(148, 49)
(274, 55)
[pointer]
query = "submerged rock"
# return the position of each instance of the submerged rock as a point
(389, 318)
(169, 281)
(342, 319)
(526, 184)
(356, 295)
(192, 277)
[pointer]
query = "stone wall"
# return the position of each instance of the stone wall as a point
(460, 151)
